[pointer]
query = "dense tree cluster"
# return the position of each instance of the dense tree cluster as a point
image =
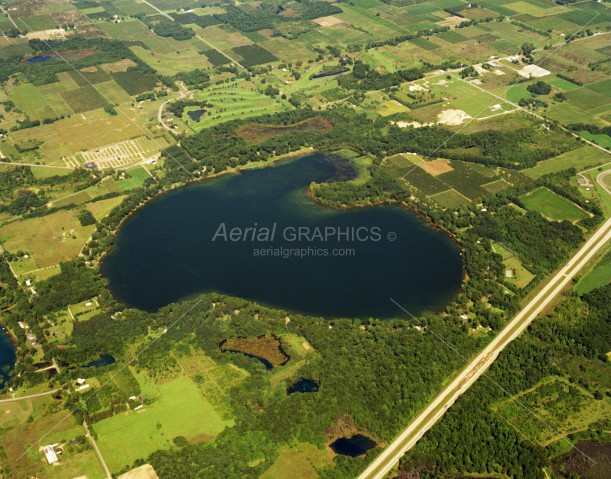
(472, 437)
(539, 88)
(164, 27)
(102, 51)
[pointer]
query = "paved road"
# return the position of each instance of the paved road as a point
(382, 465)
(601, 181)
(31, 396)
(97, 451)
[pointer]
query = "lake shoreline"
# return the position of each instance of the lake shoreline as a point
(424, 288)
(196, 181)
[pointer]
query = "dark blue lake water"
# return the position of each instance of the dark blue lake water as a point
(182, 243)
(7, 356)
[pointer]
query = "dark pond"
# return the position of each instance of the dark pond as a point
(40, 59)
(180, 244)
(269, 366)
(303, 386)
(7, 356)
(331, 73)
(103, 360)
(353, 446)
(195, 115)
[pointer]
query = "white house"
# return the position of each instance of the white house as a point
(50, 453)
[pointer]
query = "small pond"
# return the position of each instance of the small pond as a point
(103, 360)
(269, 366)
(303, 386)
(353, 446)
(195, 115)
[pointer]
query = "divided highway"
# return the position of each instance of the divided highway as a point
(383, 464)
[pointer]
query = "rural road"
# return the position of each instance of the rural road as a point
(161, 107)
(97, 451)
(382, 465)
(31, 396)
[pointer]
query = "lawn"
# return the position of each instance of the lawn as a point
(580, 159)
(137, 175)
(180, 410)
(552, 206)
(84, 310)
(520, 276)
(515, 272)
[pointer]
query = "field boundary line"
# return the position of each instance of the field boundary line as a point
(519, 108)
(147, 134)
(196, 35)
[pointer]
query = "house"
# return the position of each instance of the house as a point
(50, 453)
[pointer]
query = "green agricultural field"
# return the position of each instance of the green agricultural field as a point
(298, 462)
(99, 209)
(254, 55)
(180, 410)
(107, 185)
(450, 199)
(552, 206)
(213, 380)
(424, 43)
(558, 406)
(563, 84)
(84, 78)
(135, 83)
(496, 186)
(599, 275)
(29, 99)
(50, 239)
(42, 172)
(84, 99)
(602, 140)
(452, 36)
(587, 99)
(517, 93)
(580, 159)
(38, 22)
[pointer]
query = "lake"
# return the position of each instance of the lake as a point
(183, 243)
(7, 355)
